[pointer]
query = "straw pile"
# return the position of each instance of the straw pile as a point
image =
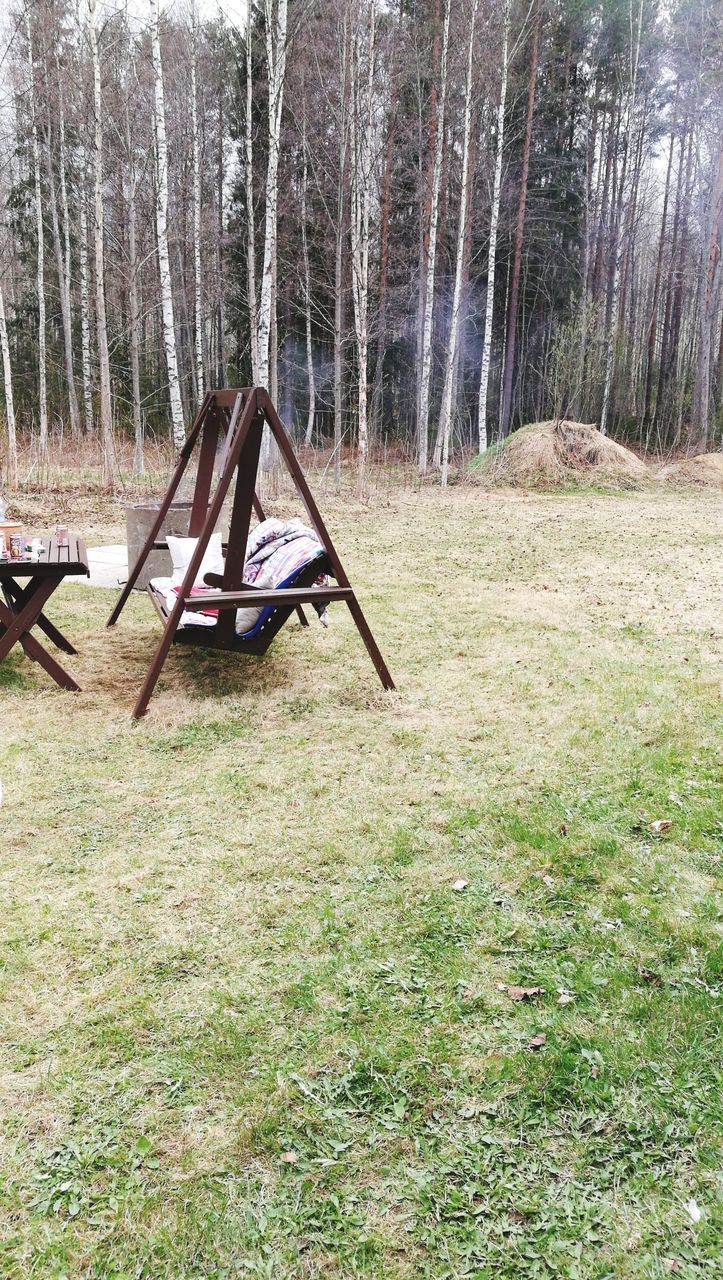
(703, 469)
(550, 454)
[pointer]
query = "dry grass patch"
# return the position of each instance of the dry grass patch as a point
(557, 453)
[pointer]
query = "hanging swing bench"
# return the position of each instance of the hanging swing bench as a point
(229, 427)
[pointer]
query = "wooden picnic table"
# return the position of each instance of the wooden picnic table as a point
(22, 607)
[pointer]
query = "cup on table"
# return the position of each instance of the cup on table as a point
(61, 536)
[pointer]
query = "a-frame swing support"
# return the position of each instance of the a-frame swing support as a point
(247, 411)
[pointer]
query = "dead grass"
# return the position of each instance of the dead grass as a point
(702, 469)
(557, 453)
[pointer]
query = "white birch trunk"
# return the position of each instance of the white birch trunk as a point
(11, 470)
(451, 361)
(40, 275)
(362, 122)
(197, 281)
(311, 414)
(340, 231)
(64, 290)
(134, 318)
(169, 331)
(85, 314)
(250, 215)
(425, 380)
(482, 433)
(276, 61)
(106, 419)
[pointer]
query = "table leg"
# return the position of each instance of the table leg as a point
(15, 624)
(13, 595)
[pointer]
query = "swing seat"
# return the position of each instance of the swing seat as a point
(270, 621)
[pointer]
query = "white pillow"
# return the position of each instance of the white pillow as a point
(182, 549)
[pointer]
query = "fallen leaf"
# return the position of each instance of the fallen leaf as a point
(565, 998)
(692, 1210)
(564, 829)
(524, 993)
(660, 825)
(671, 1264)
(290, 1157)
(548, 880)
(647, 975)
(459, 885)
(537, 1041)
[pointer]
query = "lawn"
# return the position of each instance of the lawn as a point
(261, 951)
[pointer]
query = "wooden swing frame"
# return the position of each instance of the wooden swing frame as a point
(238, 417)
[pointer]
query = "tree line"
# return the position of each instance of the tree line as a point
(420, 223)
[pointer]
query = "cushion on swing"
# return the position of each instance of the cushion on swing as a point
(243, 619)
(182, 550)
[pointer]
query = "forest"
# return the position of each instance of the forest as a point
(420, 223)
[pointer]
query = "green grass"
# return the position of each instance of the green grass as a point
(250, 1028)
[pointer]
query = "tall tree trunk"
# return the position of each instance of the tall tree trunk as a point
(106, 418)
(710, 258)
(64, 291)
(276, 62)
(482, 434)
(680, 218)
(311, 413)
(250, 213)
(362, 122)
(197, 282)
(11, 470)
(618, 245)
(220, 255)
(134, 318)
(426, 362)
(377, 403)
(653, 325)
(342, 214)
(519, 232)
(451, 360)
(85, 312)
(426, 208)
(40, 274)
(65, 219)
(164, 265)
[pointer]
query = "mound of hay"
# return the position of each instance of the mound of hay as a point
(704, 468)
(548, 454)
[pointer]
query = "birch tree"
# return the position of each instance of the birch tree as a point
(40, 265)
(11, 470)
(196, 148)
(275, 31)
(85, 311)
(426, 373)
(65, 283)
(311, 413)
(134, 311)
(362, 122)
(451, 359)
(61, 266)
(342, 206)
(250, 212)
(482, 434)
(106, 419)
(164, 266)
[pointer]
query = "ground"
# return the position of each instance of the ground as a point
(258, 948)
